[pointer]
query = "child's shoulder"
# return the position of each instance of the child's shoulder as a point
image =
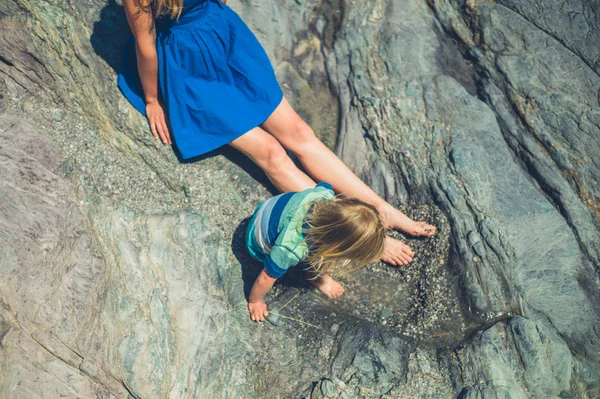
(324, 185)
(300, 200)
(322, 190)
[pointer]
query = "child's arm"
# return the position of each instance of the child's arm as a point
(256, 306)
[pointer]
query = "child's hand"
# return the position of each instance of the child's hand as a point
(258, 310)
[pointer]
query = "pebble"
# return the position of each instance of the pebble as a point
(274, 319)
(327, 387)
(385, 313)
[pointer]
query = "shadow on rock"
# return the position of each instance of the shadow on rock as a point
(240, 160)
(110, 34)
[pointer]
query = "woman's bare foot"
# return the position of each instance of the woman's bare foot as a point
(328, 286)
(396, 253)
(395, 219)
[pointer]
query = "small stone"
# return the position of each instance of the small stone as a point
(273, 319)
(385, 313)
(57, 117)
(327, 387)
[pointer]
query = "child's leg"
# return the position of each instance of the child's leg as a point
(321, 163)
(326, 284)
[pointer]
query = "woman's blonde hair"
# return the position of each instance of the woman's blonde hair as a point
(346, 233)
(162, 7)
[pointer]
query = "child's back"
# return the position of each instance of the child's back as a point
(275, 233)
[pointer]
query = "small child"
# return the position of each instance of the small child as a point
(313, 226)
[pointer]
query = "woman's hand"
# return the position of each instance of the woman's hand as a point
(258, 310)
(157, 120)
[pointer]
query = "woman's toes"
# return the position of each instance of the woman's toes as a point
(396, 261)
(406, 249)
(425, 229)
(406, 256)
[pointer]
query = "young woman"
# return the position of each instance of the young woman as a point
(196, 63)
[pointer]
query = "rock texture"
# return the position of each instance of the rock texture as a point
(123, 271)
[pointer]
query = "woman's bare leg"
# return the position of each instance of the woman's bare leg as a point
(265, 151)
(322, 164)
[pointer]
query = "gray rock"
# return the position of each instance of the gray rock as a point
(545, 356)
(124, 270)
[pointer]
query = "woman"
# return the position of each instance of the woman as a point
(198, 63)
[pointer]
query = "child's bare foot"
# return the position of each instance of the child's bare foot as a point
(394, 219)
(328, 286)
(396, 253)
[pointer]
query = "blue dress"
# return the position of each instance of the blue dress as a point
(215, 78)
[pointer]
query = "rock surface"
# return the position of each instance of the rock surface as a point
(123, 271)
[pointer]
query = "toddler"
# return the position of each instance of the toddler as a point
(318, 228)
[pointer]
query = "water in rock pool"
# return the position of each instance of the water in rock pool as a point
(417, 300)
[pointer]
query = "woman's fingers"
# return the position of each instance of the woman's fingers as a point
(162, 128)
(153, 128)
(161, 133)
(158, 124)
(166, 130)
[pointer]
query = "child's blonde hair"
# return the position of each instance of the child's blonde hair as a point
(344, 232)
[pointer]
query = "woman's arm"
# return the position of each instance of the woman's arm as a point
(141, 23)
(256, 306)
